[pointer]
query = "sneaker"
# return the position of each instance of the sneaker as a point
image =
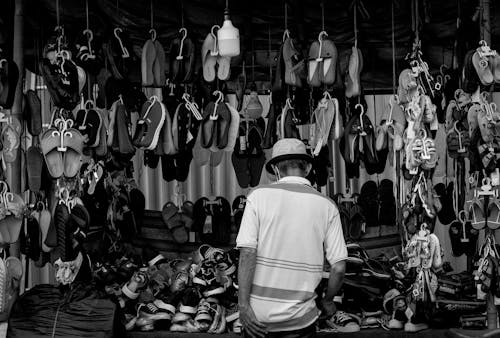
(343, 322)
(151, 311)
(180, 317)
(165, 307)
(180, 281)
(144, 324)
(203, 318)
(232, 313)
(136, 283)
(219, 323)
(153, 114)
(189, 301)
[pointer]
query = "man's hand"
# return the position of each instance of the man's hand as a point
(253, 328)
(328, 308)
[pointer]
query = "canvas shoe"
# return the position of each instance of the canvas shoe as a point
(150, 124)
(152, 312)
(189, 301)
(343, 322)
(219, 323)
(203, 318)
(136, 283)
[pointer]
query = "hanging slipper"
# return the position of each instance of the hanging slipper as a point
(190, 59)
(223, 125)
(148, 58)
(208, 60)
(34, 113)
(233, 129)
(313, 77)
(102, 147)
(369, 202)
(353, 88)
(329, 65)
(10, 142)
(208, 126)
(456, 235)
(476, 214)
(159, 65)
(294, 63)
(238, 208)
(240, 159)
(72, 158)
(44, 221)
(201, 155)
(387, 203)
(256, 156)
(34, 160)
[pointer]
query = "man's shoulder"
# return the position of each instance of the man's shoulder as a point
(293, 188)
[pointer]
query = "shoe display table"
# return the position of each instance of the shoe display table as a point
(379, 333)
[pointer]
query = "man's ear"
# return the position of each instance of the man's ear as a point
(308, 168)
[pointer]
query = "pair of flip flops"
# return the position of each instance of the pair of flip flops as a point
(487, 67)
(153, 64)
(62, 148)
(215, 125)
(182, 59)
(322, 62)
(34, 232)
(89, 123)
(248, 157)
(214, 230)
(463, 236)
(214, 65)
(481, 217)
(179, 220)
(378, 203)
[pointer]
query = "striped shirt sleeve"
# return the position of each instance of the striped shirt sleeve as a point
(335, 246)
(249, 229)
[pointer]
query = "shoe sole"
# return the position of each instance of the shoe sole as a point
(213, 292)
(155, 317)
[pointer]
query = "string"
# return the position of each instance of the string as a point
(57, 13)
(269, 56)
(182, 13)
(286, 16)
(118, 7)
(356, 23)
(151, 14)
(253, 62)
(322, 15)
(393, 50)
(87, 12)
(227, 4)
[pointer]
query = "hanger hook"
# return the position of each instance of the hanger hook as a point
(212, 30)
(90, 34)
(184, 32)
(321, 35)
(462, 216)
(116, 32)
(359, 105)
(152, 31)
(289, 103)
(220, 97)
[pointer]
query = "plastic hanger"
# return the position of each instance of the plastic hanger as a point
(117, 31)
(184, 35)
(152, 31)
(484, 50)
(90, 37)
(192, 106)
(461, 148)
(320, 40)
(214, 116)
(286, 35)
(3, 118)
(360, 106)
(462, 217)
(215, 50)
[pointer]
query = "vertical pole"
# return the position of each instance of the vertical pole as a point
(14, 170)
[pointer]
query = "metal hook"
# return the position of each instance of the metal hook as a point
(220, 97)
(116, 32)
(184, 32)
(289, 103)
(90, 37)
(152, 31)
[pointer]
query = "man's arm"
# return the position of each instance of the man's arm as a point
(335, 281)
(246, 271)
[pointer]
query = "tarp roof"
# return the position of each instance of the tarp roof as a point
(257, 18)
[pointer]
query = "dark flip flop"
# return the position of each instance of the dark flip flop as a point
(34, 160)
(34, 112)
(239, 158)
(222, 125)
(456, 234)
(369, 202)
(168, 169)
(208, 126)
(387, 203)
(257, 158)
(238, 207)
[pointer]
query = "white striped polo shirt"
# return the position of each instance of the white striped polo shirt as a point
(293, 227)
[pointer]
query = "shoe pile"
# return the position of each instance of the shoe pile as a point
(197, 295)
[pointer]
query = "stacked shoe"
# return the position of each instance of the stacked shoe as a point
(343, 322)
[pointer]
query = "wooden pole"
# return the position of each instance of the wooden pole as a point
(14, 170)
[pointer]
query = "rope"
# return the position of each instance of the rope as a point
(286, 15)
(57, 13)
(87, 12)
(151, 13)
(118, 7)
(322, 15)
(182, 13)
(393, 50)
(253, 61)
(269, 51)
(356, 24)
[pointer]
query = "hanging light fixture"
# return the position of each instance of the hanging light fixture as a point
(228, 36)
